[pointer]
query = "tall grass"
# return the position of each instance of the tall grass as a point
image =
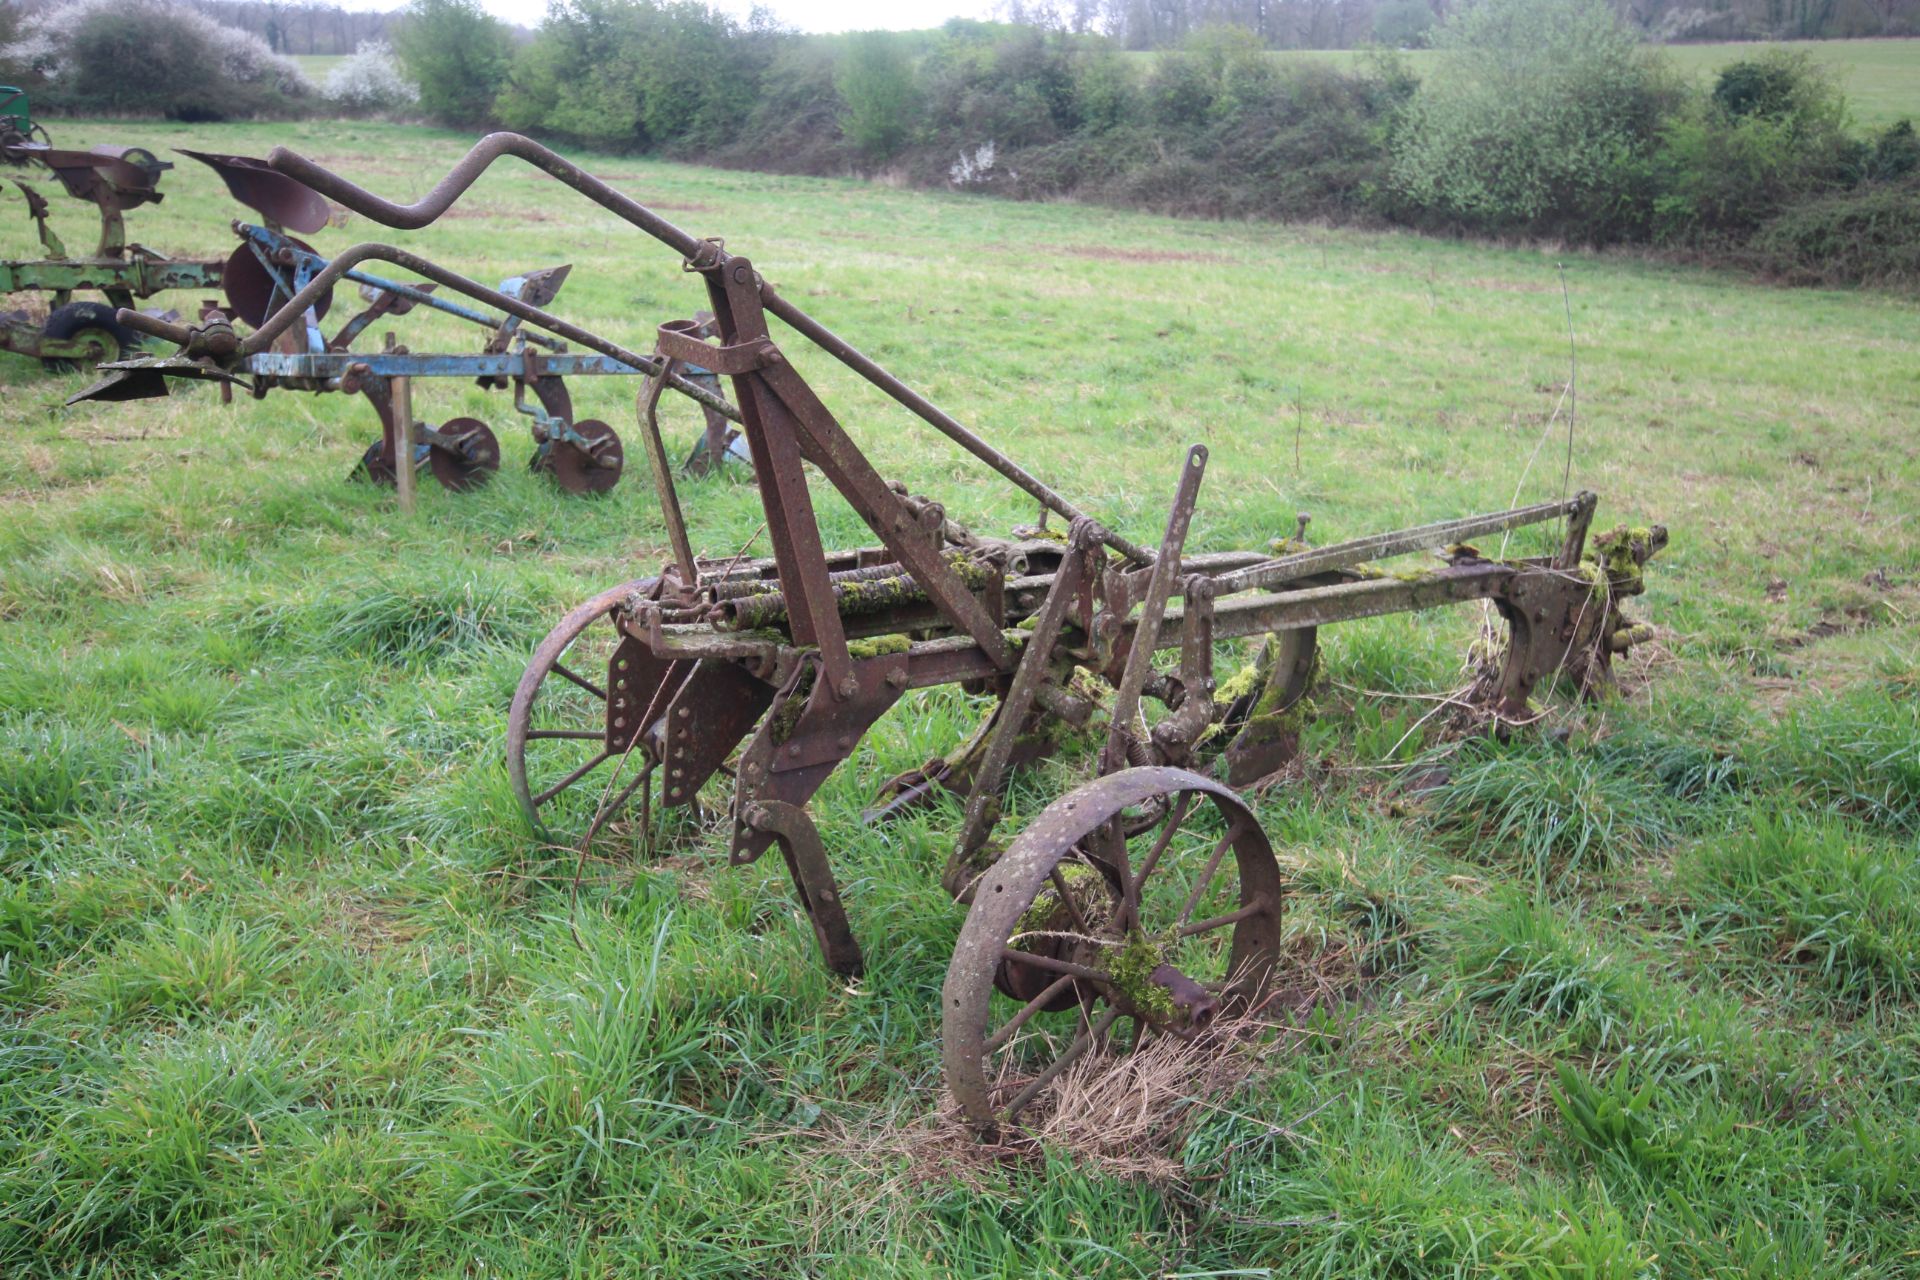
(1817, 894)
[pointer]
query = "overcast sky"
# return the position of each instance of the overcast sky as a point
(807, 15)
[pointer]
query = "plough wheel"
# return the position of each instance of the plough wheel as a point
(592, 470)
(90, 322)
(473, 460)
(1161, 927)
(557, 750)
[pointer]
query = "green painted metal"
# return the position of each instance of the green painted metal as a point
(13, 105)
(139, 276)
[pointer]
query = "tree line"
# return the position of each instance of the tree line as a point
(1545, 119)
(1346, 24)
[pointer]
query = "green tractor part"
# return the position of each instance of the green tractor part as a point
(113, 180)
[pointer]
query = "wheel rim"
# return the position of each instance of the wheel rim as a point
(1055, 951)
(589, 471)
(557, 751)
(106, 347)
(473, 459)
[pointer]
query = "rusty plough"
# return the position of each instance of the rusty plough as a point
(114, 180)
(283, 289)
(1150, 893)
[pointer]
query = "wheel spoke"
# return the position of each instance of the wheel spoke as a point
(1027, 1011)
(1067, 967)
(1206, 876)
(1257, 907)
(1081, 1043)
(588, 685)
(582, 735)
(1176, 817)
(570, 779)
(1066, 895)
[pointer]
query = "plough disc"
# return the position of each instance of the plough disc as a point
(253, 293)
(376, 464)
(472, 460)
(594, 469)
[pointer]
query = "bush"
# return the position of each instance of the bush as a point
(637, 73)
(1770, 133)
(142, 57)
(877, 93)
(457, 54)
(1538, 120)
(1867, 236)
(371, 80)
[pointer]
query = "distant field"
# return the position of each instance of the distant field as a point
(1881, 77)
(317, 65)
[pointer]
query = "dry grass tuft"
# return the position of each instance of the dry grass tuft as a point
(1127, 1112)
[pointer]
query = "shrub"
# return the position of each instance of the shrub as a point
(457, 54)
(150, 56)
(1867, 236)
(636, 73)
(877, 93)
(1770, 133)
(371, 80)
(1538, 119)
(1106, 94)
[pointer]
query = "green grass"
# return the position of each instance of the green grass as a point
(286, 988)
(316, 66)
(1881, 78)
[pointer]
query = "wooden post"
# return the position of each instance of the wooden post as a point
(402, 387)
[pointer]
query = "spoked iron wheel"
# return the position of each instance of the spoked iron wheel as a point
(1079, 925)
(471, 462)
(594, 469)
(558, 746)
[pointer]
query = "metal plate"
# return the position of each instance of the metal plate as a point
(267, 191)
(581, 472)
(473, 465)
(250, 286)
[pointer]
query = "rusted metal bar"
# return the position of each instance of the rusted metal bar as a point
(1342, 555)
(261, 339)
(1133, 676)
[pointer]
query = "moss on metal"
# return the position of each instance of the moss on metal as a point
(879, 646)
(790, 711)
(1132, 964)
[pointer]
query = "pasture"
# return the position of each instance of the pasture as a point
(287, 989)
(1881, 78)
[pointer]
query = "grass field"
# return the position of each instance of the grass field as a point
(1881, 77)
(287, 990)
(318, 65)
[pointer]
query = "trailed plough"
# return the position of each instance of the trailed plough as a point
(1149, 893)
(113, 180)
(283, 289)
